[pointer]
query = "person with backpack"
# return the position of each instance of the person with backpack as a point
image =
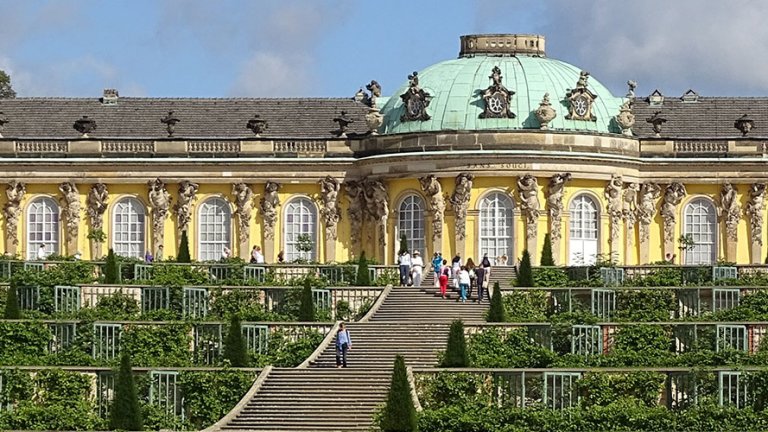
(343, 344)
(482, 283)
(437, 262)
(445, 273)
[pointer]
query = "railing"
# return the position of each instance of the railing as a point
(127, 146)
(295, 146)
(701, 147)
(214, 146)
(630, 271)
(41, 146)
(558, 389)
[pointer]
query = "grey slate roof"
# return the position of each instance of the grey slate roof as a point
(709, 117)
(200, 118)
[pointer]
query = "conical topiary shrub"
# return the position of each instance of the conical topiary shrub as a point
(525, 275)
(184, 256)
(456, 351)
(399, 414)
(12, 304)
(125, 413)
(235, 349)
(403, 243)
(111, 270)
(307, 304)
(547, 260)
(363, 277)
(496, 312)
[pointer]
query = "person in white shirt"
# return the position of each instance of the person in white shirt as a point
(41, 254)
(226, 253)
(256, 256)
(456, 268)
(78, 256)
(417, 267)
(464, 283)
(405, 267)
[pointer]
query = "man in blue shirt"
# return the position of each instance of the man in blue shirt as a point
(343, 343)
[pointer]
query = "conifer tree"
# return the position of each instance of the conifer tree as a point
(403, 243)
(235, 349)
(547, 260)
(399, 414)
(184, 256)
(125, 413)
(363, 277)
(111, 270)
(456, 351)
(307, 305)
(525, 275)
(12, 304)
(496, 312)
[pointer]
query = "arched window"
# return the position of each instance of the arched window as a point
(410, 222)
(42, 227)
(300, 230)
(213, 229)
(496, 228)
(701, 225)
(128, 225)
(583, 240)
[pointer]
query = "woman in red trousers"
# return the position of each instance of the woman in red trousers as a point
(445, 273)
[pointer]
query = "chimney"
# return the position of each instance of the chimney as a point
(110, 97)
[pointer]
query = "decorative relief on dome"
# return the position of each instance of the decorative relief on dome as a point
(416, 101)
(498, 99)
(581, 100)
(545, 113)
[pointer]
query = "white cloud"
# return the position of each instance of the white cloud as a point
(269, 74)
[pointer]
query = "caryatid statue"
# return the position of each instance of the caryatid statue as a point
(730, 210)
(96, 205)
(244, 210)
(329, 193)
(673, 195)
(354, 191)
(14, 191)
(160, 201)
(555, 193)
(269, 203)
(612, 193)
(462, 192)
(756, 210)
(431, 186)
(183, 207)
(70, 211)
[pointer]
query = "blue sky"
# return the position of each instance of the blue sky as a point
(249, 48)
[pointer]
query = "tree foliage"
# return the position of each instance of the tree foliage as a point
(456, 351)
(12, 304)
(184, 256)
(125, 413)
(363, 277)
(111, 270)
(6, 91)
(235, 349)
(403, 243)
(307, 305)
(496, 311)
(399, 414)
(547, 260)
(525, 274)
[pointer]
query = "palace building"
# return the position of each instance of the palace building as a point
(482, 154)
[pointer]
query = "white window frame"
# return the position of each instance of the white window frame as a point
(43, 207)
(583, 209)
(496, 208)
(411, 213)
(220, 229)
(299, 207)
(694, 222)
(129, 207)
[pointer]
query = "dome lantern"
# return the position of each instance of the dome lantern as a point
(502, 45)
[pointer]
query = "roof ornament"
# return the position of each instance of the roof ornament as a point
(656, 120)
(344, 121)
(632, 86)
(656, 98)
(375, 88)
(625, 118)
(360, 95)
(3, 121)
(545, 113)
(497, 98)
(744, 124)
(581, 100)
(416, 101)
(85, 126)
(170, 122)
(257, 125)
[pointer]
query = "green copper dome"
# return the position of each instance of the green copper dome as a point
(456, 86)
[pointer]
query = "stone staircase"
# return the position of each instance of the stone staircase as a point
(413, 322)
(501, 274)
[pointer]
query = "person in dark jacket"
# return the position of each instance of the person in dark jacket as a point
(487, 266)
(481, 282)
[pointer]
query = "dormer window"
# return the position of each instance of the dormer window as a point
(656, 98)
(690, 96)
